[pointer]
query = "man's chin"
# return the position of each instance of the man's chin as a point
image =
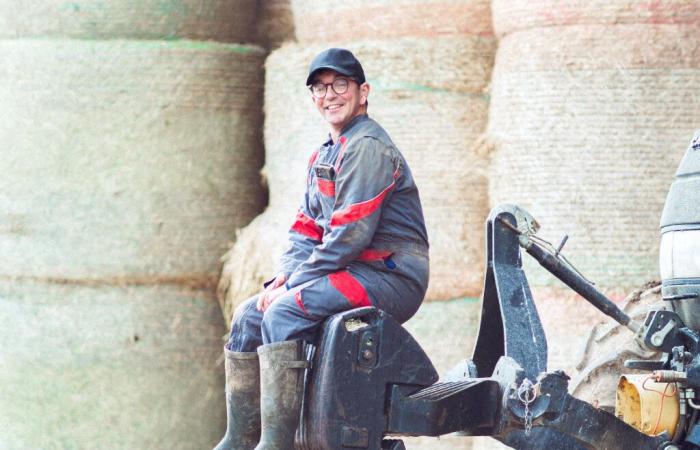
(335, 121)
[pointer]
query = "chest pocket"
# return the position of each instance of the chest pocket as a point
(324, 180)
(325, 177)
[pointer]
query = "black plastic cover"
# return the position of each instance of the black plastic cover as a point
(361, 353)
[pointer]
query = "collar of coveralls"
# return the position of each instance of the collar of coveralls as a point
(355, 121)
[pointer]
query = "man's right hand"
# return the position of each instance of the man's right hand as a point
(263, 301)
(279, 280)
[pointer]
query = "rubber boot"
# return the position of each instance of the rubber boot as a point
(282, 367)
(242, 401)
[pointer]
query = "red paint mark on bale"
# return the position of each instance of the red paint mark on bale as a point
(384, 22)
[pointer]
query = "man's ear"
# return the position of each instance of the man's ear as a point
(364, 93)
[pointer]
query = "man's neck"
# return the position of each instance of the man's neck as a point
(336, 132)
(335, 135)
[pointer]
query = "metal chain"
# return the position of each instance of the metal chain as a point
(526, 395)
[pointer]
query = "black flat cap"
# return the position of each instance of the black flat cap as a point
(338, 59)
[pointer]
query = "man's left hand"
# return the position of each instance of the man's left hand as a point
(268, 297)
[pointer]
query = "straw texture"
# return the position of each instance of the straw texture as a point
(219, 20)
(433, 113)
(590, 123)
(341, 21)
(517, 15)
(275, 23)
(126, 158)
(109, 367)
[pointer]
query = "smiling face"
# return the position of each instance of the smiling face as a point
(339, 109)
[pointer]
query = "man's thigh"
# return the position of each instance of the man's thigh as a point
(298, 313)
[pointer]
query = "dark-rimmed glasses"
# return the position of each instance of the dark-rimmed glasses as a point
(339, 85)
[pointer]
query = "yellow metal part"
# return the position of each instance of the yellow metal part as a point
(648, 406)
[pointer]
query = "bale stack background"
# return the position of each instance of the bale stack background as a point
(131, 148)
(428, 90)
(592, 107)
(131, 136)
(275, 23)
(205, 20)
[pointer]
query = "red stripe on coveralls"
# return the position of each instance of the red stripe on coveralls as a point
(306, 226)
(350, 288)
(358, 211)
(312, 160)
(343, 141)
(373, 255)
(313, 157)
(326, 187)
(300, 301)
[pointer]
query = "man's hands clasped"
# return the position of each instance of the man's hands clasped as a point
(272, 292)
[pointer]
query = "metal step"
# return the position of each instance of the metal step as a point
(438, 391)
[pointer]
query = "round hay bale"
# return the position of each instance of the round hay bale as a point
(218, 20)
(253, 258)
(434, 112)
(110, 367)
(126, 158)
(367, 19)
(275, 23)
(518, 15)
(589, 123)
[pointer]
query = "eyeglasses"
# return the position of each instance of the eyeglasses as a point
(339, 85)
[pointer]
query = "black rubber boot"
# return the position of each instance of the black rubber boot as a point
(242, 401)
(282, 367)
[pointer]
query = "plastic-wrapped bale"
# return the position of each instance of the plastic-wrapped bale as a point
(110, 367)
(367, 19)
(589, 124)
(126, 159)
(217, 20)
(434, 111)
(518, 15)
(275, 23)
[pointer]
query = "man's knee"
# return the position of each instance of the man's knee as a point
(244, 309)
(278, 312)
(245, 327)
(282, 320)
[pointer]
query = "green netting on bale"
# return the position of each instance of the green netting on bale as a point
(126, 158)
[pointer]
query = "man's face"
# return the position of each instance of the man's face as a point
(339, 109)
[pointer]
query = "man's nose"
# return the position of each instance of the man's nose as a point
(330, 92)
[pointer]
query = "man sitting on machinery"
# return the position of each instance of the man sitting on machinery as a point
(359, 239)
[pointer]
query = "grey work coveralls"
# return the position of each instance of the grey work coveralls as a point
(359, 239)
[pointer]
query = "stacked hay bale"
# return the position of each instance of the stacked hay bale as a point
(428, 82)
(127, 165)
(592, 106)
(275, 23)
(216, 20)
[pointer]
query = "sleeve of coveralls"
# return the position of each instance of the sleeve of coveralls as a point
(366, 177)
(304, 235)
